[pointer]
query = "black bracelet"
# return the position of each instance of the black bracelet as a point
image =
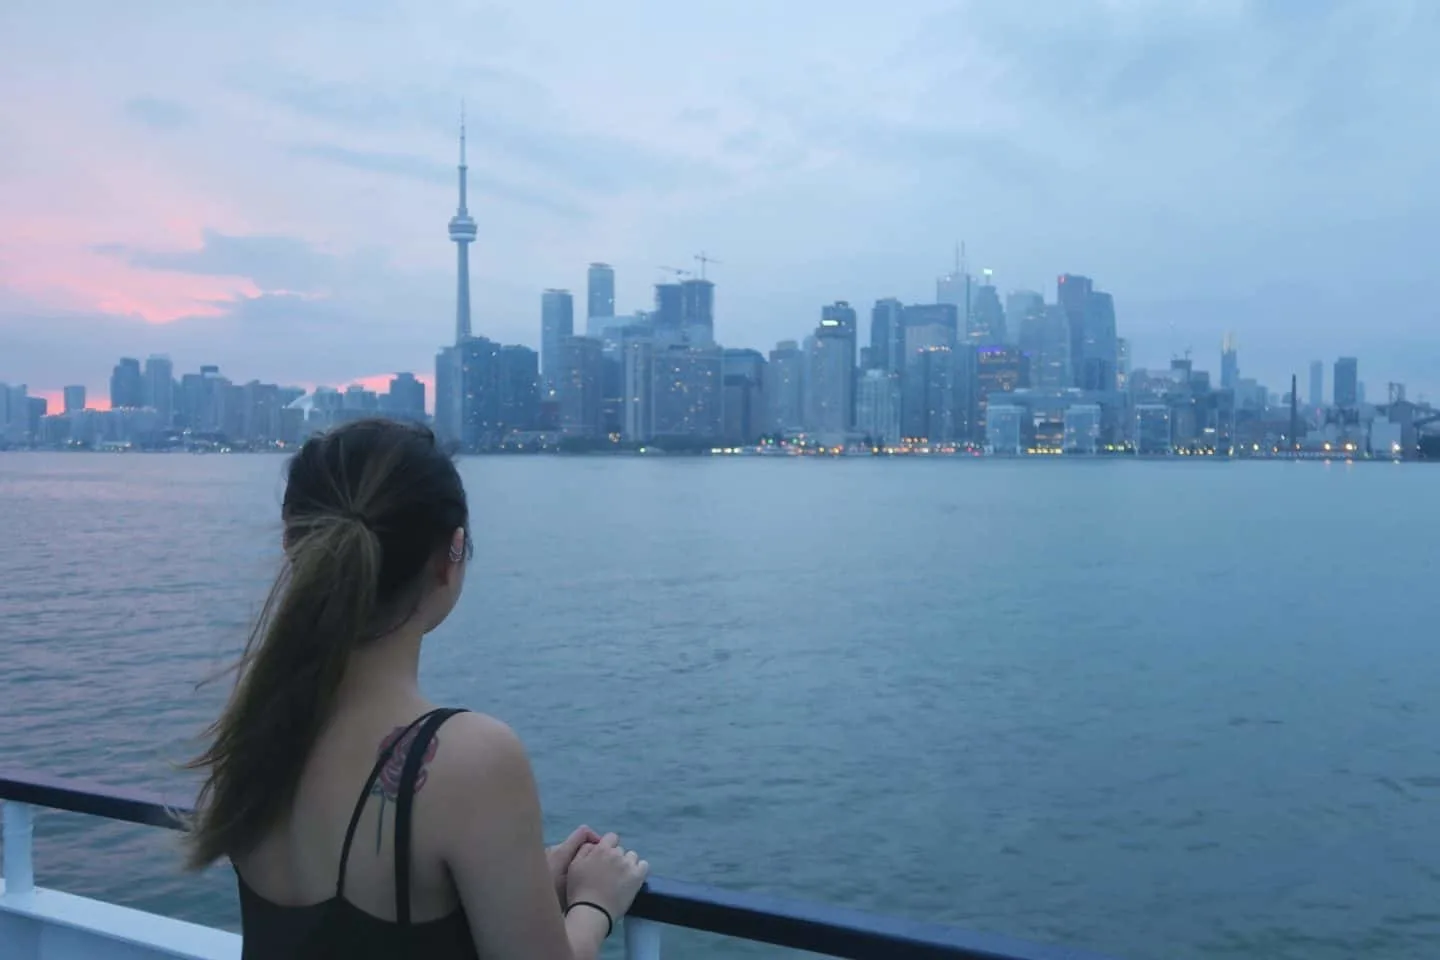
(609, 921)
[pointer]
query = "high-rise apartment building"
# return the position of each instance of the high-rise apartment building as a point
(447, 395)
(126, 384)
(1045, 338)
(1020, 306)
(887, 335)
(405, 399)
(985, 325)
(557, 322)
(928, 394)
(697, 312)
(1098, 362)
(480, 427)
(668, 320)
(581, 387)
(158, 389)
(1229, 363)
(1347, 383)
(687, 393)
(744, 406)
(830, 375)
(637, 378)
(785, 389)
(877, 407)
(519, 388)
(599, 292)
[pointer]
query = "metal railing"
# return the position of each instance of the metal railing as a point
(816, 928)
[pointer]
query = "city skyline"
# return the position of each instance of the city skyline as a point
(933, 367)
(284, 189)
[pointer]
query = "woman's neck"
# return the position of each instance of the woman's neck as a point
(384, 669)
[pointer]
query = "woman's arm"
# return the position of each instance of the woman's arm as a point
(495, 850)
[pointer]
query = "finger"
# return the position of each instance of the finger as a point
(644, 867)
(575, 841)
(610, 840)
(632, 858)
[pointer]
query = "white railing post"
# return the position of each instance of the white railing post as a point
(19, 833)
(642, 939)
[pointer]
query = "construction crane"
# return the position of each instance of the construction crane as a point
(676, 271)
(704, 261)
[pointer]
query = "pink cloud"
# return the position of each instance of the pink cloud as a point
(79, 279)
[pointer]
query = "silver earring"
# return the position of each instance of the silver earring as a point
(456, 555)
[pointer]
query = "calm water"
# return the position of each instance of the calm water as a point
(1160, 710)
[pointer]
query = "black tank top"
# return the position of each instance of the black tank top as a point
(338, 928)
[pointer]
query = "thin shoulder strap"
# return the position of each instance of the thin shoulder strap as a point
(410, 782)
(380, 762)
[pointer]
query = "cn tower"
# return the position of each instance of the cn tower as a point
(462, 232)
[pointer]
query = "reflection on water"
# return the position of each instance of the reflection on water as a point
(1162, 710)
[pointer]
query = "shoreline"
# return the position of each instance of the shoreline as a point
(740, 453)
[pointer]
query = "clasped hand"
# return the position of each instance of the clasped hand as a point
(587, 866)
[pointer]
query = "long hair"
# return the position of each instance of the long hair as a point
(368, 508)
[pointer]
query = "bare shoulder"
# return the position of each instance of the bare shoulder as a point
(481, 753)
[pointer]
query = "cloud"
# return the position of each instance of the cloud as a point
(273, 263)
(431, 171)
(513, 119)
(1185, 153)
(402, 105)
(158, 113)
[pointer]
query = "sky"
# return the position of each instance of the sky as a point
(266, 185)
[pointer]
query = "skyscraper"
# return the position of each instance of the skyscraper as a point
(158, 391)
(942, 316)
(1072, 293)
(405, 399)
(637, 375)
(877, 407)
(600, 291)
(479, 404)
(956, 289)
(697, 312)
(1045, 338)
(1317, 383)
(1021, 305)
(830, 380)
(462, 234)
(1098, 372)
(1347, 382)
(928, 393)
(840, 314)
(985, 325)
(1229, 363)
(580, 386)
(557, 322)
(519, 381)
(447, 394)
(687, 393)
(744, 407)
(998, 370)
(74, 399)
(668, 319)
(785, 389)
(126, 384)
(887, 335)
